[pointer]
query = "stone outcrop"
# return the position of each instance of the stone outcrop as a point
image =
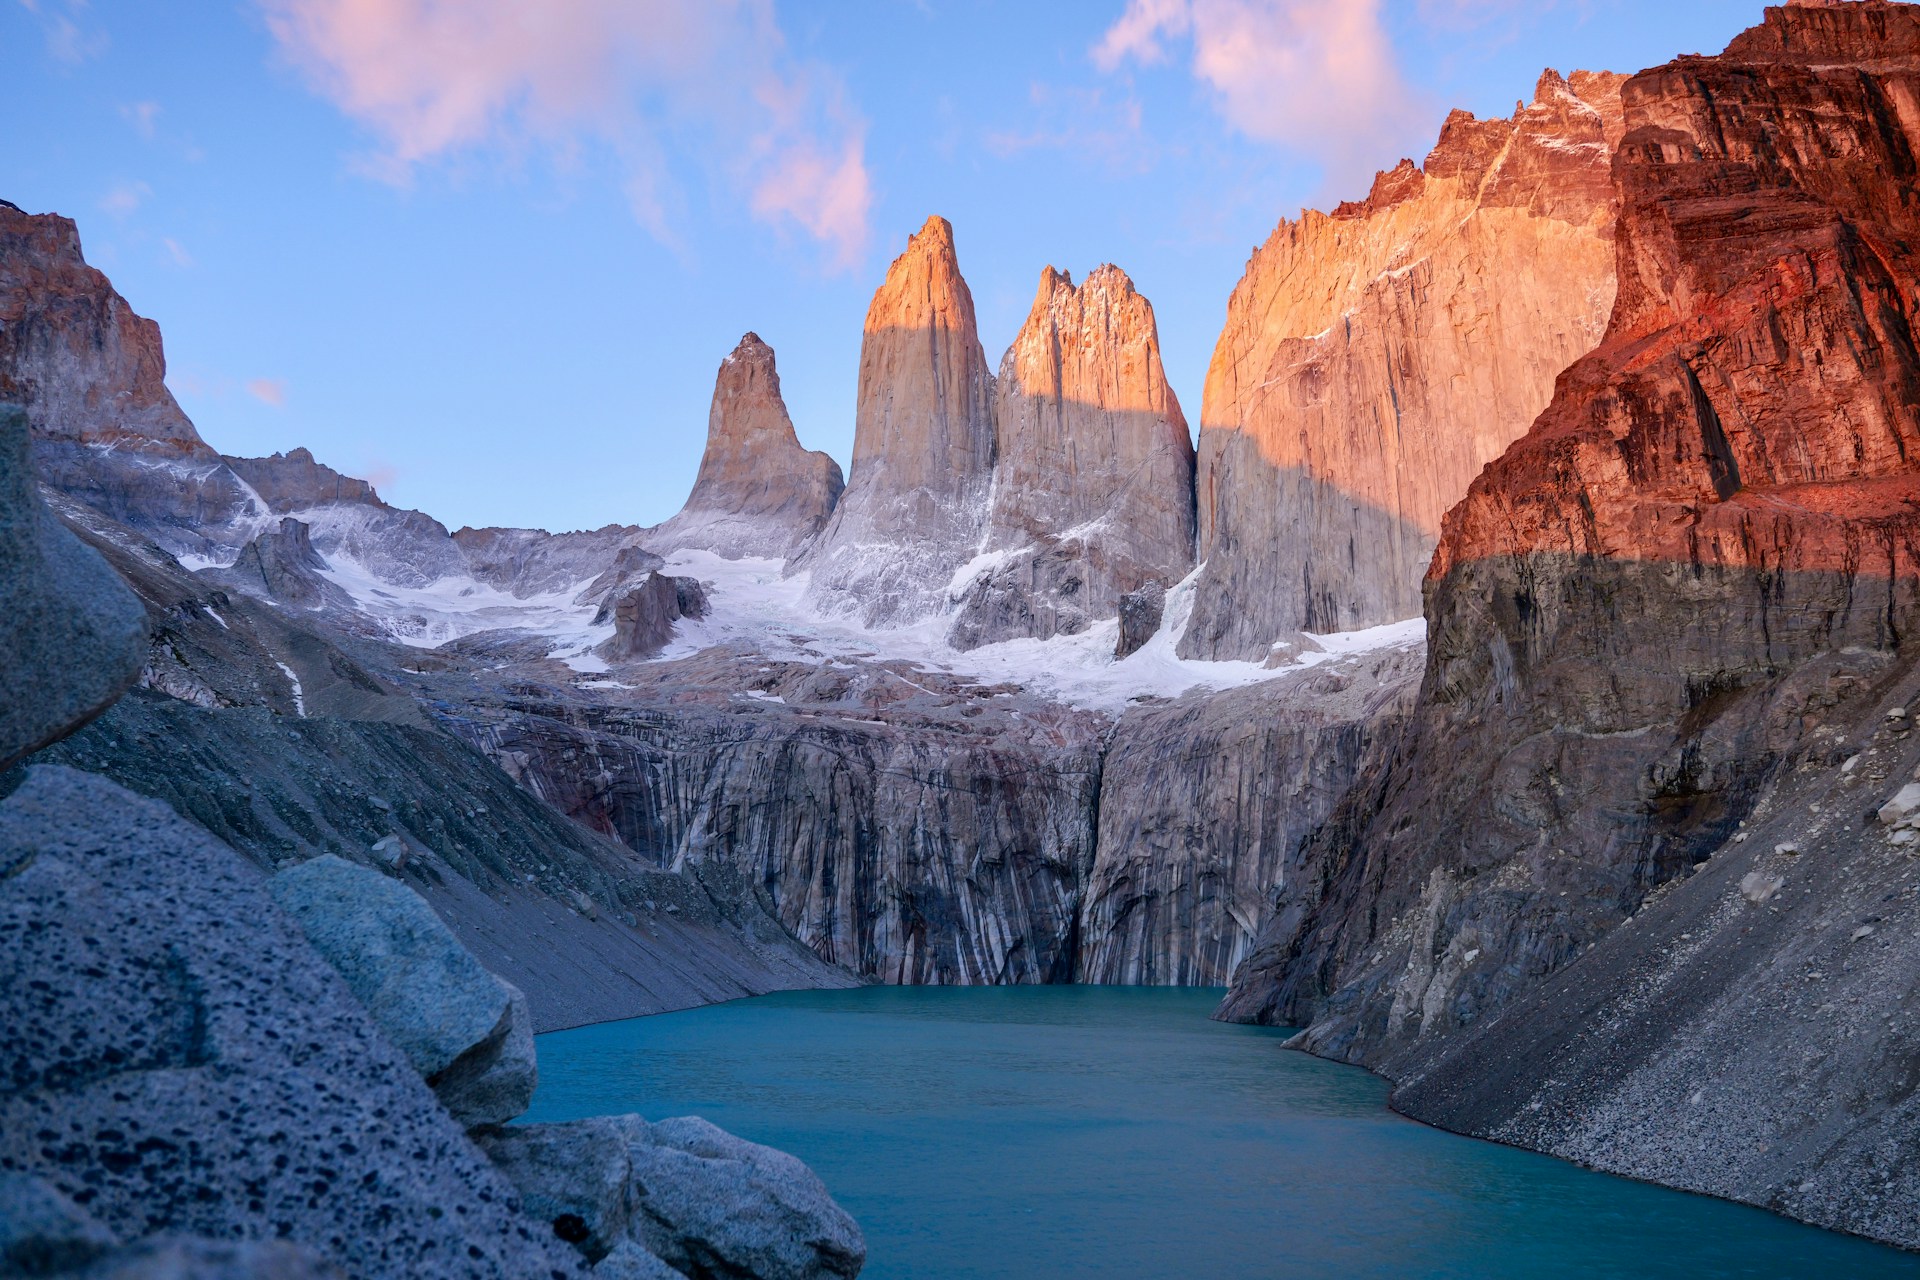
(644, 614)
(180, 1062)
(1661, 624)
(682, 1191)
(91, 375)
(282, 565)
(72, 637)
(294, 481)
(923, 446)
(465, 1031)
(1093, 470)
(1375, 359)
(758, 492)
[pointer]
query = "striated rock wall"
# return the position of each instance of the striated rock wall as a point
(1093, 473)
(923, 446)
(1375, 359)
(1204, 805)
(1664, 622)
(909, 825)
(758, 492)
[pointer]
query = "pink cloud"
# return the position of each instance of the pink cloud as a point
(1316, 76)
(434, 79)
(271, 391)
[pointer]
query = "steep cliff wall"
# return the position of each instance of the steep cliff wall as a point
(758, 492)
(916, 500)
(1205, 803)
(1093, 472)
(1679, 607)
(1374, 359)
(91, 376)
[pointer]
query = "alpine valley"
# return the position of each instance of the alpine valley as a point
(1506, 679)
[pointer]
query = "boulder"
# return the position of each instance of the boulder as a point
(708, 1204)
(72, 635)
(179, 1060)
(713, 1205)
(1141, 613)
(465, 1031)
(1905, 802)
(629, 1261)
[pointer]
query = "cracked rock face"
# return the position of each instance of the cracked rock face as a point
(1375, 359)
(1093, 474)
(916, 499)
(758, 492)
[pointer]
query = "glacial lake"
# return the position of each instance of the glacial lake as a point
(1048, 1133)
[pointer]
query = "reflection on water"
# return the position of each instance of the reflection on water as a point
(1038, 1133)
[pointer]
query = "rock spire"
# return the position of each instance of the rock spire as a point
(916, 500)
(758, 492)
(1093, 479)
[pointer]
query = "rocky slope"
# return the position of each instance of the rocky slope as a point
(758, 492)
(916, 499)
(1374, 359)
(1669, 631)
(288, 742)
(1093, 469)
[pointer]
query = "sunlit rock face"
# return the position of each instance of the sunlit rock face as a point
(1093, 476)
(1376, 358)
(92, 377)
(916, 501)
(758, 492)
(1668, 682)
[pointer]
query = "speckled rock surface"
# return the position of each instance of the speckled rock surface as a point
(465, 1031)
(180, 1061)
(72, 636)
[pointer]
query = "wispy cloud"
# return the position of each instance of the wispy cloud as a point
(1315, 76)
(143, 116)
(272, 391)
(125, 198)
(176, 251)
(1088, 124)
(712, 80)
(72, 37)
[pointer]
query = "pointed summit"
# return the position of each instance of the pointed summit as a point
(922, 449)
(1093, 491)
(758, 492)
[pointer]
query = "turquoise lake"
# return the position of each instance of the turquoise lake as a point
(1037, 1133)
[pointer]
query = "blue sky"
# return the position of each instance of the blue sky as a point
(489, 253)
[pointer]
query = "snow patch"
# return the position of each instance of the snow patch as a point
(299, 697)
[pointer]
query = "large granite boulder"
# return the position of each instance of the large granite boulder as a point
(180, 1061)
(710, 1205)
(72, 636)
(643, 614)
(465, 1031)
